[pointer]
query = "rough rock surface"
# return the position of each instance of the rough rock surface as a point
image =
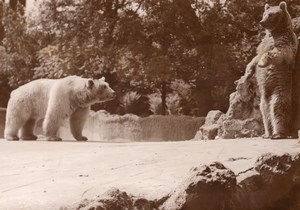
(274, 184)
(243, 118)
(211, 127)
(296, 79)
(207, 187)
(115, 199)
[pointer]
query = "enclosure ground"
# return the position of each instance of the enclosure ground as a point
(48, 175)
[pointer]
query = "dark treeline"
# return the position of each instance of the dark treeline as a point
(161, 56)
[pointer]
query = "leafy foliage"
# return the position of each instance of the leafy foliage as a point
(155, 103)
(19, 47)
(129, 101)
(173, 104)
(184, 55)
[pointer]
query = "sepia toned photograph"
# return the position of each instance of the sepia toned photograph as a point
(149, 105)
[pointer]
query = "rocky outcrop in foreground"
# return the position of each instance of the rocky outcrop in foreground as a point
(274, 183)
(115, 199)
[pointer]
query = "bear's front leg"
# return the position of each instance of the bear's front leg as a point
(51, 124)
(77, 121)
(251, 67)
(268, 58)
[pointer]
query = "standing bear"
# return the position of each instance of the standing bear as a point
(274, 65)
(53, 100)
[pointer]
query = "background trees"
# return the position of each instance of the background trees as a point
(161, 56)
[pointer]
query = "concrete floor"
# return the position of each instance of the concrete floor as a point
(49, 175)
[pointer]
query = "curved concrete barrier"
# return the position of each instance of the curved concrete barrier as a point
(105, 127)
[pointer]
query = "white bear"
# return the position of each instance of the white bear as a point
(53, 100)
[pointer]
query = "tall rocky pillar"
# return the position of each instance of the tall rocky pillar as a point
(296, 82)
(243, 118)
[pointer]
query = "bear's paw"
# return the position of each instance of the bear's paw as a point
(81, 138)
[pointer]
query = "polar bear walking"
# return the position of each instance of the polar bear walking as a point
(53, 100)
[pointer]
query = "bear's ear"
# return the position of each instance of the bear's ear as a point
(102, 79)
(90, 84)
(267, 6)
(283, 5)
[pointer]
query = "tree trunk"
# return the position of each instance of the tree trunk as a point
(163, 98)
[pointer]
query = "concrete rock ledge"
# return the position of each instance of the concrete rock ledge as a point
(274, 184)
(134, 128)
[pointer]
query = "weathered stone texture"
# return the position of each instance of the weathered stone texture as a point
(275, 184)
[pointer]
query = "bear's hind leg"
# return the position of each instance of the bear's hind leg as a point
(77, 121)
(264, 108)
(11, 134)
(280, 108)
(12, 125)
(27, 130)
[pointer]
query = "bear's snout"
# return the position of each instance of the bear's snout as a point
(262, 22)
(113, 93)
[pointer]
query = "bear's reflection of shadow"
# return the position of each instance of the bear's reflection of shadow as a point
(74, 141)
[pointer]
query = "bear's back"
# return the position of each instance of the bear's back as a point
(32, 96)
(39, 86)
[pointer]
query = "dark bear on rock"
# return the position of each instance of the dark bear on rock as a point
(274, 65)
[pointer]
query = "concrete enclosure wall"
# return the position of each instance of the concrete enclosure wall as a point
(130, 127)
(104, 127)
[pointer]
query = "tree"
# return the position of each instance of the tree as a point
(1, 24)
(19, 46)
(139, 46)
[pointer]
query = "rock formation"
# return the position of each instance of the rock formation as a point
(296, 83)
(115, 199)
(274, 183)
(243, 118)
(207, 187)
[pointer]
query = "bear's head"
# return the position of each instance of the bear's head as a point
(276, 17)
(99, 91)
